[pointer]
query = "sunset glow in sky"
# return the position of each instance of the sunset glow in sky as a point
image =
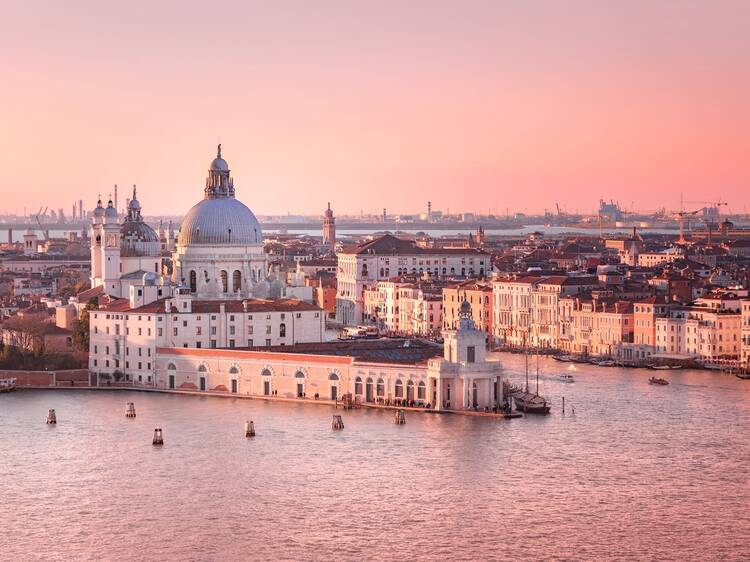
(476, 106)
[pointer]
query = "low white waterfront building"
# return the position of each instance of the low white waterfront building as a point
(125, 333)
(455, 376)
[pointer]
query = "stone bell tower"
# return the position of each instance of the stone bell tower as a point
(329, 229)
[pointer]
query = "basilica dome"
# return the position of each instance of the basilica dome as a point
(219, 219)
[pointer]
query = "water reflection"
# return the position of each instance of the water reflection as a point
(637, 472)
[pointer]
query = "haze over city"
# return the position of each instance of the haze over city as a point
(371, 104)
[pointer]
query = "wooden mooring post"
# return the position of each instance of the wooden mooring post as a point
(249, 429)
(337, 422)
(400, 418)
(158, 437)
(51, 417)
(129, 410)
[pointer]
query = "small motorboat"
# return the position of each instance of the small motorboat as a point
(657, 380)
(605, 363)
(565, 377)
(743, 376)
(7, 385)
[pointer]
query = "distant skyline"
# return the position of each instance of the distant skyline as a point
(476, 106)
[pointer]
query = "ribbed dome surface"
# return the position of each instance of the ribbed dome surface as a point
(220, 221)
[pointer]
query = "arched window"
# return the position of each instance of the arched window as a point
(224, 281)
(265, 373)
(380, 388)
(193, 281)
(410, 390)
(299, 375)
(333, 377)
(358, 385)
(234, 371)
(236, 281)
(399, 389)
(201, 368)
(421, 391)
(171, 367)
(282, 330)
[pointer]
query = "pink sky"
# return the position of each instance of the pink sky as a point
(476, 106)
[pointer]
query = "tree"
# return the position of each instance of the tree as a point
(81, 331)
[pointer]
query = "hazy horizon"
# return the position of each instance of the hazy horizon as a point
(477, 107)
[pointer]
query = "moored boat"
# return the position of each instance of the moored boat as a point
(744, 376)
(563, 358)
(565, 377)
(657, 380)
(7, 385)
(531, 403)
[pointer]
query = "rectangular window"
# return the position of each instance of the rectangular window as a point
(249, 343)
(213, 343)
(158, 332)
(231, 343)
(174, 331)
(268, 342)
(470, 354)
(268, 329)
(231, 330)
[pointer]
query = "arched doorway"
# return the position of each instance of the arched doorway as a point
(369, 390)
(202, 377)
(299, 377)
(266, 374)
(380, 390)
(234, 375)
(171, 375)
(474, 401)
(333, 378)
(358, 386)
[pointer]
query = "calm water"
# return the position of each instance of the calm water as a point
(638, 472)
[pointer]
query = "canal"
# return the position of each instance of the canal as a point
(637, 472)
